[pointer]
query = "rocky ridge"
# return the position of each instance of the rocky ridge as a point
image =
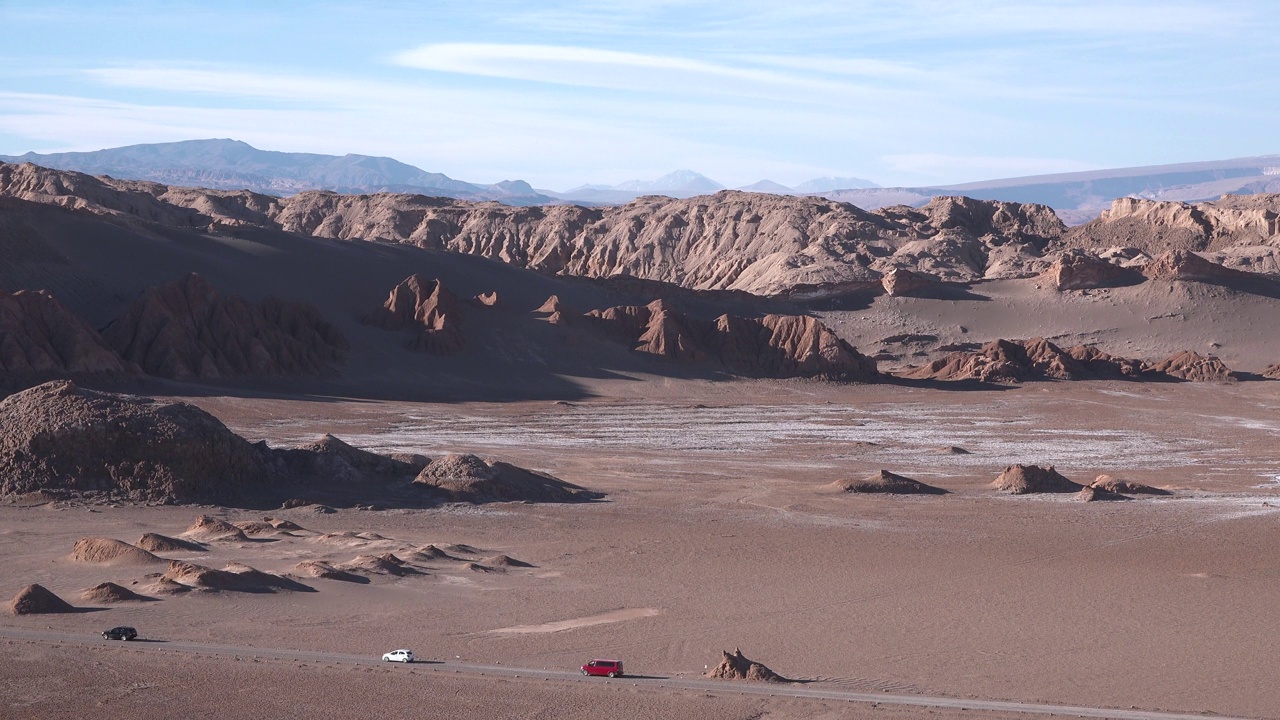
(186, 331)
(41, 339)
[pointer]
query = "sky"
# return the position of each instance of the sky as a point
(562, 93)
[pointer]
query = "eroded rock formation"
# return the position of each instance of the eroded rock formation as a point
(426, 307)
(187, 331)
(41, 339)
(1189, 365)
(735, 666)
(1015, 361)
(36, 599)
(772, 346)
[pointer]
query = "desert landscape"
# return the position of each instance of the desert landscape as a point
(784, 457)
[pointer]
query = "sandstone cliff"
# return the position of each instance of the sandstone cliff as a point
(186, 331)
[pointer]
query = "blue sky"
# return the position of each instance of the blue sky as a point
(902, 92)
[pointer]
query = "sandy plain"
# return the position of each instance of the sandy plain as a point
(717, 532)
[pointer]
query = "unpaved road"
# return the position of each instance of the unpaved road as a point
(804, 691)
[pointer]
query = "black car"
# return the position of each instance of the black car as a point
(120, 633)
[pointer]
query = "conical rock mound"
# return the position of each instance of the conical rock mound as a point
(38, 600)
(887, 482)
(1025, 479)
(109, 592)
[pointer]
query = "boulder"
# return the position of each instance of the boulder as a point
(900, 282)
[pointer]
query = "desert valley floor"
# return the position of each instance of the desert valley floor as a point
(717, 531)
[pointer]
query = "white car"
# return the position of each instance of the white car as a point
(404, 656)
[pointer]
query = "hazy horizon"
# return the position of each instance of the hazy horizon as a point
(565, 94)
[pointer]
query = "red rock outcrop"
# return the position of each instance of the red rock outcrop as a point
(427, 307)
(41, 340)
(1024, 479)
(186, 331)
(771, 346)
(1077, 270)
(1189, 365)
(59, 436)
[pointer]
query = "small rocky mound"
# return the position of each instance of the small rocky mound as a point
(325, 571)
(774, 346)
(734, 666)
(185, 331)
(489, 299)
(108, 593)
(255, 528)
(165, 586)
(1090, 493)
(234, 578)
(467, 478)
(41, 339)
(887, 482)
(156, 542)
(1024, 479)
(427, 307)
(431, 552)
(37, 600)
(106, 551)
(284, 524)
(1272, 371)
(1078, 270)
(207, 527)
(953, 450)
(505, 561)
(1189, 365)
(332, 462)
(58, 436)
(387, 564)
(1126, 487)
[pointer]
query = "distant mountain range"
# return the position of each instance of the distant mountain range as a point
(234, 165)
(1081, 196)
